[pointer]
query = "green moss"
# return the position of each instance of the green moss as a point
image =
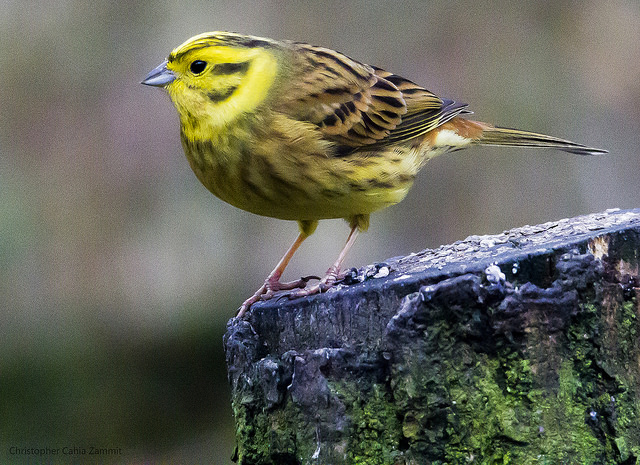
(375, 429)
(248, 435)
(626, 399)
(566, 416)
(627, 328)
(491, 411)
(373, 439)
(270, 437)
(569, 396)
(505, 415)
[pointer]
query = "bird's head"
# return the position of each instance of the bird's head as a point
(218, 76)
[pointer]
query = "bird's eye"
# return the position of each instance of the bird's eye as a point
(198, 66)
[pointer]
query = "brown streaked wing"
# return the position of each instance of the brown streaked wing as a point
(350, 102)
(425, 110)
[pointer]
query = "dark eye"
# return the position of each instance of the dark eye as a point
(198, 66)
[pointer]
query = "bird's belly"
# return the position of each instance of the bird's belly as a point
(307, 187)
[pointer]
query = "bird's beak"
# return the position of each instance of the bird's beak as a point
(159, 76)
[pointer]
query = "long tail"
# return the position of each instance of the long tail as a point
(504, 136)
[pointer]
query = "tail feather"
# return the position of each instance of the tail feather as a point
(514, 137)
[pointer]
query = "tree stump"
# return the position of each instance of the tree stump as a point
(517, 348)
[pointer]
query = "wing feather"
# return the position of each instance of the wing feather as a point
(357, 105)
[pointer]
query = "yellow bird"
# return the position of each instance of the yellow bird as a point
(298, 132)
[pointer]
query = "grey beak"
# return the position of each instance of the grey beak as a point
(159, 76)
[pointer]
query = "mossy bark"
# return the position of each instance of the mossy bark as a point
(520, 348)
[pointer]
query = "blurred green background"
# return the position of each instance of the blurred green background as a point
(118, 270)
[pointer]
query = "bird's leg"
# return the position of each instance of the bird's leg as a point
(331, 276)
(272, 284)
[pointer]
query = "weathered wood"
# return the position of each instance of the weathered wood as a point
(523, 347)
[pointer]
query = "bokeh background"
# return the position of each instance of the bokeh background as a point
(118, 270)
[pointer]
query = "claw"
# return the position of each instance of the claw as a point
(271, 287)
(324, 285)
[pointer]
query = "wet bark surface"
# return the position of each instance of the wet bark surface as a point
(521, 347)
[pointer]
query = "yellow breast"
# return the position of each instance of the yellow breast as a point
(283, 169)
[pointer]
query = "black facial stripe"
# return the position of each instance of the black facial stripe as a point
(231, 68)
(221, 95)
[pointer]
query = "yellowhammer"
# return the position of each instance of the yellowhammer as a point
(299, 132)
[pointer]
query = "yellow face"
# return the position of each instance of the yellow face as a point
(214, 78)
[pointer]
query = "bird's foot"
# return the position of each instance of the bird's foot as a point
(330, 278)
(271, 286)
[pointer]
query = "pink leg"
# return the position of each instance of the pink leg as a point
(333, 272)
(272, 284)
